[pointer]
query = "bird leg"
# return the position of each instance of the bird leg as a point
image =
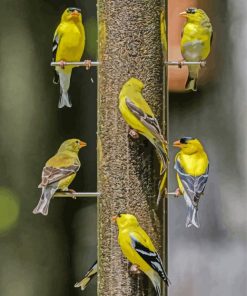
(62, 64)
(134, 269)
(70, 191)
(177, 192)
(180, 64)
(88, 64)
(134, 134)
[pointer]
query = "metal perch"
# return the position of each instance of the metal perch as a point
(77, 194)
(97, 63)
(184, 63)
(78, 64)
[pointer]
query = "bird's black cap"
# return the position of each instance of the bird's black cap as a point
(184, 140)
(191, 10)
(73, 9)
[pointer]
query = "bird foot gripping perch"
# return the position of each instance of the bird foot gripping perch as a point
(88, 64)
(134, 134)
(134, 269)
(72, 192)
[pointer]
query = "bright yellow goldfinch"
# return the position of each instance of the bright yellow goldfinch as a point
(59, 172)
(196, 42)
(139, 116)
(138, 248)
(68, 46)
(88, 277)
(192, 167)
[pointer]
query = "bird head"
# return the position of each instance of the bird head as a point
(72, 14)
(73, 145)
(188, 145)
(125, 220)
(194, 15)
(134, 83)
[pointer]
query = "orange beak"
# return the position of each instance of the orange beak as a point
(75, 13)
(114, 218)
(82, 144)
(184, 14)
(177, 144)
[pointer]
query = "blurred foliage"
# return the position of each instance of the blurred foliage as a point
(9, 210)
(91, 37)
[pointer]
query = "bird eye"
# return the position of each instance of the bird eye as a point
(77, 142)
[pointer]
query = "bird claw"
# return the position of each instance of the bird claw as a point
(88, 64)
(62, 64)
(72, 191)
(134, 269)
(177, 192)
(134, 134)
(180, 64)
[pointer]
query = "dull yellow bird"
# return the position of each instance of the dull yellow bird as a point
(58, 173)
(192, 167)
(139, 116)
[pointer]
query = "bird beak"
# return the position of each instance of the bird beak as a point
(114, 218)
(82, 144)
(177, 144)
(184, 14)
(75, 13)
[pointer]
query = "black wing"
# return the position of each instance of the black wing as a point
(55, 47)
(212, 37)
(150, 122)
(152, 258)
(54, 53)
(194, 186)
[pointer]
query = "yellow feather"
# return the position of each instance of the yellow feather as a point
(140, 235)
(71, 35)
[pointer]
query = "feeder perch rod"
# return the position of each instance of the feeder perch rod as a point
(77, 194)
(184, 63)
(78, 64)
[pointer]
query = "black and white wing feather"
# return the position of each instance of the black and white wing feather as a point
(148, 121)
(152, 258)
(194, 186)
(54, 53)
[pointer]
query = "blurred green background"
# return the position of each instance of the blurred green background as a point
(43, 255)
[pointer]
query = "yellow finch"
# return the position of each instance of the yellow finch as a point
(138, 248)
(192, 167)
(58, 173)
(196, 42)
(68, 46)
(88, 277)
(139, 116)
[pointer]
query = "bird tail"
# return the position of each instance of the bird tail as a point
(161, 148)
(44, 201)
(88, 277)
(64, 79)
(155, 278)
(191, 83)
(162, 152)
(192, 213)
(162, 187)
(192, 217)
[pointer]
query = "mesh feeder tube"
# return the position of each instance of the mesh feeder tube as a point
(129, 45)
